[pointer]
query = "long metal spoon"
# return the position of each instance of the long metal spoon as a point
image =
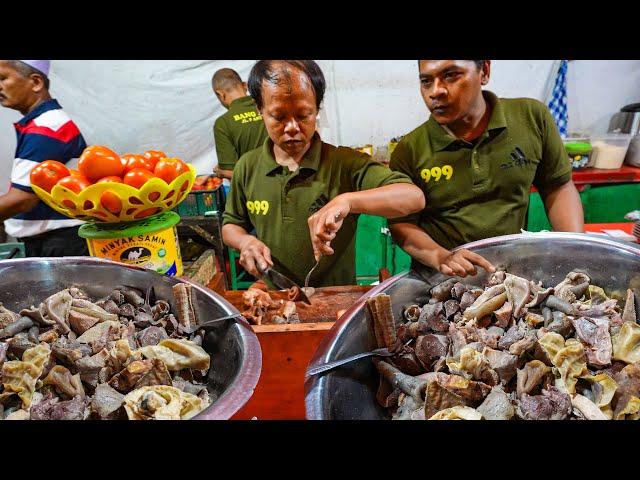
(378, 352)
(306, 279)
(210, 323)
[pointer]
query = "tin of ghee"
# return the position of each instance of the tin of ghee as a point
(149, 243)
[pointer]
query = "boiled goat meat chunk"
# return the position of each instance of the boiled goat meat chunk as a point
(458, 339)
(127, 310)
(531, 376)
(437, 398)
(458, 290)
(106, 401)
(442, 291)
(44, 409)
(497, 278)
(4, 347)
(490, 339)
(497, 405)
(553, 404)
(503, 363)
(527, 343)
(514, 334)
(415, 329)
(594, 334)
(503, 315)
(451, 307)
(141, 373)
(151, 336)
(408, 362)
(497, 331)
(68, 353)
(19, 344)
(430, 348)
(73, 409)
(467, 300)
(628, 380)
(434, 318)
(561, 324)
(54, 409)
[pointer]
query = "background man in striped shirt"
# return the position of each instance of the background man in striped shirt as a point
(44, 133)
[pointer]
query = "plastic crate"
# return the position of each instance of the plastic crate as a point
(7, 249)
(202, 202)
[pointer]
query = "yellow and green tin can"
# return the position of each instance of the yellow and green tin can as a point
(149, 243)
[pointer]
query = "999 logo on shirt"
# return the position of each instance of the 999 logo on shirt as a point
(258, 207)
(437, 173)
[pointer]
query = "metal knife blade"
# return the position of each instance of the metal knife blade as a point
(284, 283)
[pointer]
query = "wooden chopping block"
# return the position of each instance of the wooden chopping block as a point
(287, 350)
(326, 303)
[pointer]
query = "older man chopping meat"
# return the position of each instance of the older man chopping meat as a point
(278, 187)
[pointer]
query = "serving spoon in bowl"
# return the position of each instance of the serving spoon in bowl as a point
(378, 352)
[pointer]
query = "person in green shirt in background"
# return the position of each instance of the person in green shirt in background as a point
(303, 195)
(476, 159)
(241, 128)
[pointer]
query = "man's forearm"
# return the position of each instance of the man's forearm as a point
(234, 236)
(417, 243)
(564, 208)
(228, 174)
(15, 202)
(390, 201)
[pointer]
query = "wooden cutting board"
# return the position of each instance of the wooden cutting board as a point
(287, 350)
(320, 315)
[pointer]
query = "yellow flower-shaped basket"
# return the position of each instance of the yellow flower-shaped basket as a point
(155, 196)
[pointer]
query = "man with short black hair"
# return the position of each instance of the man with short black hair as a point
(239, 130)
(302, 195)
(476, 159)
(44, 133)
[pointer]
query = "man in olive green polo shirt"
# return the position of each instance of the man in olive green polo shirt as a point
(241, 128)
(476, 159)
(277, 188)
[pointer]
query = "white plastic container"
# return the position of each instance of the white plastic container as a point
(609, 150)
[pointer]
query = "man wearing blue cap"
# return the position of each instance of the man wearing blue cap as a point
(44, 133)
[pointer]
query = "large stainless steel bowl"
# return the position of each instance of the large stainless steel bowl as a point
(348, 393)
(236, 357)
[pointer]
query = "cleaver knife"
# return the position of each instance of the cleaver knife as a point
(284, 283)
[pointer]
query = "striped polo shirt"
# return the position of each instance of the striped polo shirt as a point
(46, 133)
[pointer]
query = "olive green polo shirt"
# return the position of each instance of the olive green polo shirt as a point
(238, 131)
(277, 202)
(481, 189)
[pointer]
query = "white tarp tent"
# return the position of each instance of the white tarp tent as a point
(134, 105)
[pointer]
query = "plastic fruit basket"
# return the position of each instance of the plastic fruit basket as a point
(202, 202)
(154, 197)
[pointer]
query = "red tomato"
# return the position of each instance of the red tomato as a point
(108, 199)
(47, 174)
(97, 162)
(169, 168)
(138, 177)
(147, 212)
(138, 161)
(112, 178)
(75, 184)
(111, 202)
(154, 155)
